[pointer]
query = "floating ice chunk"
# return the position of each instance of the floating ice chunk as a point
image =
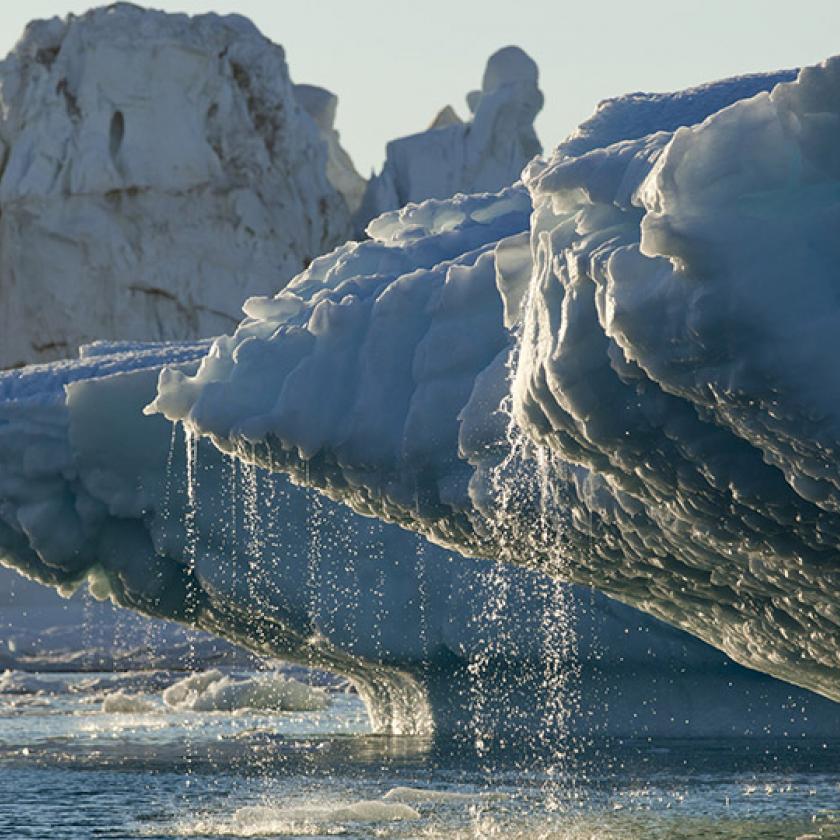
(263, 819)
(19, 682)
(126, 704)
(213, 691)
(420, 795)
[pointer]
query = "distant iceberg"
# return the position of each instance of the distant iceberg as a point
(157, 169)
(482, 155)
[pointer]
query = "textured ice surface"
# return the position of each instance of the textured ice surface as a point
(631, 387)
(91, 489)
(156, 170)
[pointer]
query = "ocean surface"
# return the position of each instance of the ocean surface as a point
(69, 768)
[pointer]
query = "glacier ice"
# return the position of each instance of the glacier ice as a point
(156, 170)
(619, 371)
(91, 489)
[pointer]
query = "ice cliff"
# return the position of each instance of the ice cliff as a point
(618, 372)
(156, 170)
(92, 490)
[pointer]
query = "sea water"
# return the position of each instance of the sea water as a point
(75, 765)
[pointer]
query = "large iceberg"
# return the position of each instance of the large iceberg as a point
(92, 490)
(155, 170)
(618, 372)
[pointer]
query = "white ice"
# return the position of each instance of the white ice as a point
(213, 691)
(156, 170)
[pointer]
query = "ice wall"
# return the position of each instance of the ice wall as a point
(155, 171)
(93, 490)
(630, 387)
(484, 154)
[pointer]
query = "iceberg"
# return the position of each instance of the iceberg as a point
(617, 372)
(158, 169)
(595, 372)
(155, 170)
(93, 491)
(484, 154)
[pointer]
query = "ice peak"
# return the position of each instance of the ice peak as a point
(509, 65)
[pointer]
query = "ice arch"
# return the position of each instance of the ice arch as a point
(93, 490)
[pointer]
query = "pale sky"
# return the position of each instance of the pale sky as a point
(394, 64)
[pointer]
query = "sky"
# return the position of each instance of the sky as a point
(395, 63)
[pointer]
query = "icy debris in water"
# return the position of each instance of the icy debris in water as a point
(19, 682)
(213, 691)
(410, 794)
(264, 818)
(323, 819)
(126, 704)
(373, 811)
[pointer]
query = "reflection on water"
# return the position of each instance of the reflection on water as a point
(71, 769)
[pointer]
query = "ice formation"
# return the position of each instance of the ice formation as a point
(91, 489)
(156, 170)
(618, 371)
(121, 703)
(213, 691)
(482, 155)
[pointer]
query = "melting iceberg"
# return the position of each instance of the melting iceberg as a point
(94, 490)
(619, 371)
